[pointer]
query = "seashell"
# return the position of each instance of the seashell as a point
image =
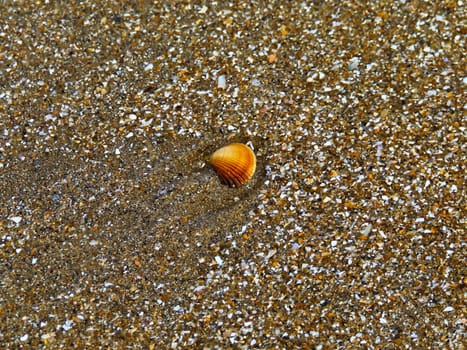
(235, 164)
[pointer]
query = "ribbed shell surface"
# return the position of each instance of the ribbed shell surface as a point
(235, 164)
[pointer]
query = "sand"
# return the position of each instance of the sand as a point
(115, 232)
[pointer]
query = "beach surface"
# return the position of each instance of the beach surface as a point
(115, 232)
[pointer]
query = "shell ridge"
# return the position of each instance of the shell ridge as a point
(234, 163)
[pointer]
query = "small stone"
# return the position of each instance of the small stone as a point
(15, 219)
(221, 83)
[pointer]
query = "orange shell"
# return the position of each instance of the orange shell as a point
(235, 164)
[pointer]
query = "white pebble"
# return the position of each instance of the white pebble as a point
(366, 230)
(221, 83)
(149, 66)
(219, 260)
(67, 325)
(16, 219)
